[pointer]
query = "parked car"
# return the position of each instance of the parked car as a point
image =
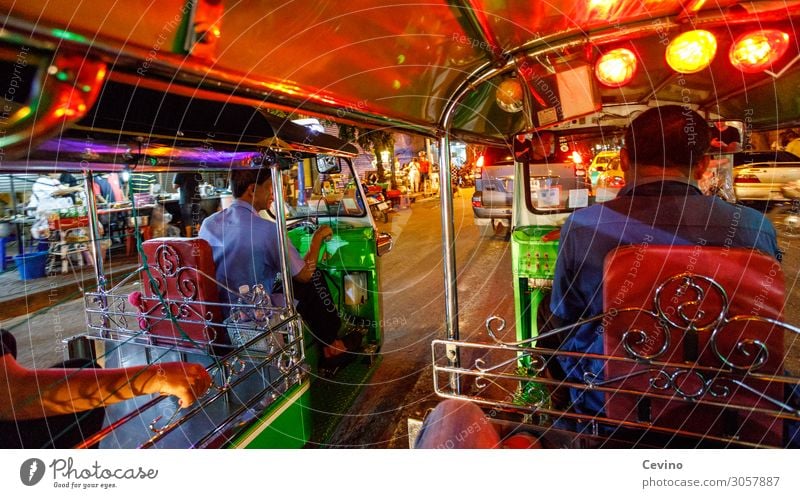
(760, 175)
(494, 186)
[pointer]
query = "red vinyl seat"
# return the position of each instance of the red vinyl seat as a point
(183, 274)
(690, 312)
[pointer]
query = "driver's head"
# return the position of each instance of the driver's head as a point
(670, 136)
(253, 186)
(542, 144)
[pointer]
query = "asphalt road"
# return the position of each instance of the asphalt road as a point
(412, 283)
(413, 299)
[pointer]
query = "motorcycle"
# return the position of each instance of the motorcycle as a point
(378, 205)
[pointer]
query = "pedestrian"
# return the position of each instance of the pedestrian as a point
(413, 175)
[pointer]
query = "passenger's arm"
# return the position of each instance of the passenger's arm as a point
(27, 394)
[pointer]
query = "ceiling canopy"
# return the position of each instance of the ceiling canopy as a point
(404, 64)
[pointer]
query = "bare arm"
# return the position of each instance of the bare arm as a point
(27, 394)
(312, 256)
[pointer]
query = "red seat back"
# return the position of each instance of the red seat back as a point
(183, 275)
(690, 309)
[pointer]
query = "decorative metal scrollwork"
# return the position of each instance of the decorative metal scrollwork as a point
(538, 363)
(168, 260)
(684, 309)
(633, 339)
(187, 286)
(501, 324)
(753, 351)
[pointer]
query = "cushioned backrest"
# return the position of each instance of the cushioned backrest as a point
(183, 272)
(669, 281)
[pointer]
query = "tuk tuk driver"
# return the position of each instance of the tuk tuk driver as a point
(664, 155)
(245, 249)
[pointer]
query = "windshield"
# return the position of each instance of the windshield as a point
(564, 183)
(311, 193)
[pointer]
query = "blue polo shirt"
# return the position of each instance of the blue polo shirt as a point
(659, 212)
(245, 248)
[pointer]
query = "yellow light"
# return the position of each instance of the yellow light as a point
(601, 8)
(757, 51)
(479, 162)
(23, 112)
(509, 95)
(692, 51)
(616, 67)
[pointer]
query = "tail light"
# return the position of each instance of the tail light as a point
(746, 179)
(476, 201)
(479, 167)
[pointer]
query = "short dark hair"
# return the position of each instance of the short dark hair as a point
(671, 136)
(240, 179)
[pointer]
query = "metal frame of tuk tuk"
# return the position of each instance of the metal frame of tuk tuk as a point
(497, 64)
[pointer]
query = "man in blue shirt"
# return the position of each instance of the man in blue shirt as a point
(245, 248)
(663, 156)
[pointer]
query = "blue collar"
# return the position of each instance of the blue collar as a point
(661, 187)
(243, 204)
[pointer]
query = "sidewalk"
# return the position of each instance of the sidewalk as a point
(22, 297)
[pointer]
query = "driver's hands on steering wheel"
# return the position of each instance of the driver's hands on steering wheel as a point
(323, 233)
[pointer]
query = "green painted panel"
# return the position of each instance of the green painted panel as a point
(291, 429)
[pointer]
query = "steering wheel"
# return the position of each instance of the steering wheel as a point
(310, 224)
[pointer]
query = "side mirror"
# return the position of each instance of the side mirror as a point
(385, 243)
(328, 165)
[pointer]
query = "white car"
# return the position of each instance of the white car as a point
(760, 175)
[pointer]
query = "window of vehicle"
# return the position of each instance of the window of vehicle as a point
(310, 193)
(497, 155)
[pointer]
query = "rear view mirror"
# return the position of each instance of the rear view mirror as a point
(328, 165)
(385, 243)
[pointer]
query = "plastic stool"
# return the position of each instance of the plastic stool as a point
(5, 259)
(130, 238)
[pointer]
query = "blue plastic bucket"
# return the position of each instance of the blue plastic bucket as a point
(31, 265)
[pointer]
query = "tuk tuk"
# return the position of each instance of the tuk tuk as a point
(481, 72)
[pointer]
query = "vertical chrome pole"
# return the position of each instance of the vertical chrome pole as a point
(301, 184)
(283, 247)
(449, 257)
(283, 250)
(97, 250)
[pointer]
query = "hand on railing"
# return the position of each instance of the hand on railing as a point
(186, 381)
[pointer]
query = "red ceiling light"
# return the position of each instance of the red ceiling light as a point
(754, 52)
(616, 67)
(692, 51)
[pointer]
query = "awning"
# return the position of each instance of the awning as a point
(137, 126)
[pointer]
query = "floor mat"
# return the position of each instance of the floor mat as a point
(332, 398)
